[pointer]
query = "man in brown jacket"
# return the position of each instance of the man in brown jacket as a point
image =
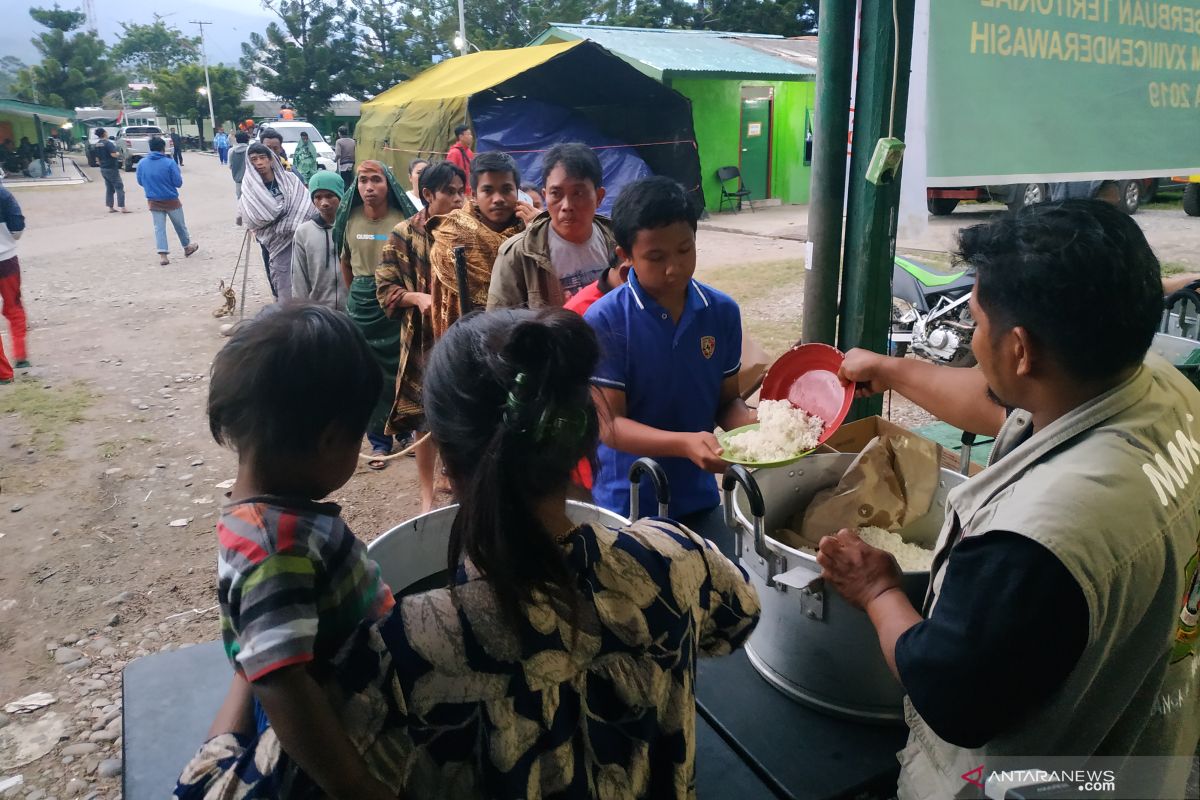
(567, 247)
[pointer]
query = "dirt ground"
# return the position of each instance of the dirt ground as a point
(109, 479)
(105, 445)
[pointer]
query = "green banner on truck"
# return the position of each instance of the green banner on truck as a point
(1023, 90)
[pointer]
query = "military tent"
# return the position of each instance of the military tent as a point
(525, 99)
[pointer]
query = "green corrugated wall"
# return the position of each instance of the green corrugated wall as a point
(716, 117)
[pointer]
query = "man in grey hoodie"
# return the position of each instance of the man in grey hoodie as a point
(316, 270)
(237, 159)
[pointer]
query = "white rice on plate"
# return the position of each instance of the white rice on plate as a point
(910, 557)
(783, 432)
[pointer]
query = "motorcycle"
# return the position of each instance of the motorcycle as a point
(931, 314)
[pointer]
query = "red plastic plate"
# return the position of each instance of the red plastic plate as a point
(807, 375)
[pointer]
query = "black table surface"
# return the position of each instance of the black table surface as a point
(752, 743)
(800, 753)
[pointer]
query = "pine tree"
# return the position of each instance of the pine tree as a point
(75, 69)
(308, 56)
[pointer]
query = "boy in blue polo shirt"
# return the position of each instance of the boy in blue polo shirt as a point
(670, 354)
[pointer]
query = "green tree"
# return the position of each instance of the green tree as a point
(783, 17)
(75, 69)
(397, 40)
(147, 49)
(308, 56)
(9, 67)
(177, 93)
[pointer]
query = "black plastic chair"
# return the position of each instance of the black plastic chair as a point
(725, 175)
(1176, 320)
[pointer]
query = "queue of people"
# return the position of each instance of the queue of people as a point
(560, 658)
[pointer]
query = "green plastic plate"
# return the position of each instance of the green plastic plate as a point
(756, 464)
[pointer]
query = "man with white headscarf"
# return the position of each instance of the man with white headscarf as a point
(273, 204)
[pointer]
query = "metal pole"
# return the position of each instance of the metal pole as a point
(212, 117)
(462, 28)
(880, 108)
(464, 285)
(830, 130)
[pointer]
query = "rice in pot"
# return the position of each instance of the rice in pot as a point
(910, 557)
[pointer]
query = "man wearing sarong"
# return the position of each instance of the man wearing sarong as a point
(364, 222)
(492, 215)
(402, 284)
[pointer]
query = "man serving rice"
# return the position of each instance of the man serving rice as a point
(1058, 622)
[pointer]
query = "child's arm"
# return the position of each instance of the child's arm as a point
(622, 433)
(311, 733)
(344, 263)
(732, 411)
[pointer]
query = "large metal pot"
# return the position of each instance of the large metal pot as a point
(412, 555)
(810, 644)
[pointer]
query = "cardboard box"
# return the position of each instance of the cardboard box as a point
(852, 437)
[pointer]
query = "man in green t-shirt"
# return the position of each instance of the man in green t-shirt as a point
(377, 206)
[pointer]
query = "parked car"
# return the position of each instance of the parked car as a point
(942, 201)
(133, 143)
(290, 129)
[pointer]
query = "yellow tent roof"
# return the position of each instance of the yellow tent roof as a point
(470, 74)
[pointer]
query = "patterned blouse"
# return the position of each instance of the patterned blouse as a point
(492, 712)
(445, 700)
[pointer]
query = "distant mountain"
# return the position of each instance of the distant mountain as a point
(233, 22)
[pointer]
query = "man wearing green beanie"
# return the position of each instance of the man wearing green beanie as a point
(316, 273)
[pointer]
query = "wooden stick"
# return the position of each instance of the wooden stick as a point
(394, 456)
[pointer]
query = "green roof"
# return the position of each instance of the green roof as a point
(51, 114)
(679, 53)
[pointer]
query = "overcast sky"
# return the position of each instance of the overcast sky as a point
(233, 22)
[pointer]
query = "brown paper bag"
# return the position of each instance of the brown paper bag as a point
(754, 363)
(889, 485)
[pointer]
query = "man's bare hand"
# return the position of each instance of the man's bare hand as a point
(421, 300)
(859, 572)
(864, 368)
(526, 212)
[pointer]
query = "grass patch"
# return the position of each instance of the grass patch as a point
(1176, 267)
(749, 282)
(46, 411)
(775, 336)
(109, 450)
(1170, 202)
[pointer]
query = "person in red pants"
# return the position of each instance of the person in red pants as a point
(12, 223)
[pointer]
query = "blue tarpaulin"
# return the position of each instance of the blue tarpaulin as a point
(515, 125)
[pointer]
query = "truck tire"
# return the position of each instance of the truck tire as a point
(942, 206)
(1027, 194)
(1130, 194)
(1191, 199)
(129, 165)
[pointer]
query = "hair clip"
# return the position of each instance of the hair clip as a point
(514, 405)
(559, 427)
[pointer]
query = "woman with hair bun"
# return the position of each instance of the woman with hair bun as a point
(561, 659)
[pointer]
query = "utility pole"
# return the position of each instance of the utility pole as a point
(89, 10)
(832, 126)
(880, 110)
(462, 29)
(212, 117)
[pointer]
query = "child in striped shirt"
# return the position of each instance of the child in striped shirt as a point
(292, 393)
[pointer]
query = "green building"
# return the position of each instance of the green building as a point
(752, 98)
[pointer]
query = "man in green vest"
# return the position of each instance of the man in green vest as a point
(1061, 620)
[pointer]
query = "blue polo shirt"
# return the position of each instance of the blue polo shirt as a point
(671, 375)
